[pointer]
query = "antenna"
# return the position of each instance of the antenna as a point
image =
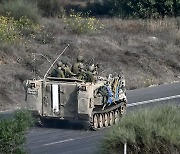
(44, 57)
(55, 61)
(34, 69)
(34, 61)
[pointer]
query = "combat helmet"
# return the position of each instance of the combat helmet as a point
(80, 58)
(81, 66)
(91, 68)
(59, 63)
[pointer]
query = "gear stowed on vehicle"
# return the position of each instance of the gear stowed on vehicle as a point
(100, 103)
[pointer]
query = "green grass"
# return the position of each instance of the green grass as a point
(146, 131)
(12, 132)
(19, 8)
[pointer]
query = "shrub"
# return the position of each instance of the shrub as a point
(147, 131)
(80, 23)
(19, 8)
(97, 8)
(8, 30)
(11, 31)
(27, 27)
(50, 7)
(143, 8)
(24, 119)
(12, 132)
(44, 37)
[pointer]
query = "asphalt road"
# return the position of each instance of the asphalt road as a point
(73, 139)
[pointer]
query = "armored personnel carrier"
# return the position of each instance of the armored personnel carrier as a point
(101, 103)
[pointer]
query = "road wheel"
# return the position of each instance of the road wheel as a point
(111, 118)
(100, 120)
(122, 109)
(105, 120)
(116, 116)
(95, 121)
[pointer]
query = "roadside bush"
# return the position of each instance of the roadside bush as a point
(19, 8)
(12, 132)
(146, 131)
(80, 23)
(24, 119)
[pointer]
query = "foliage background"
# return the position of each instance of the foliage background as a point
(144, 8)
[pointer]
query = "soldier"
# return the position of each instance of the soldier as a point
(67, 71)
(81, 72)
(90, 74)
(75, 67)
(58, 72)
(96, 69)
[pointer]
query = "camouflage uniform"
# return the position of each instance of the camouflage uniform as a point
(58, 72)
(81, 72)
(75, 67)
(67, 71)
(90, 74)
(54, 73)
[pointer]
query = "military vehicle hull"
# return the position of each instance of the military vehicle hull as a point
(73, 99)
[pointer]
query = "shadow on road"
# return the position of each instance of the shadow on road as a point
(62, 124)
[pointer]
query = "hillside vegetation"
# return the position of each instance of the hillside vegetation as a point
(144, 48)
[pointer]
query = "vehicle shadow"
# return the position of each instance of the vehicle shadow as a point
(63, 124)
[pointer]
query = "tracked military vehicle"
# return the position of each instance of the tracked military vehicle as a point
(100, 102)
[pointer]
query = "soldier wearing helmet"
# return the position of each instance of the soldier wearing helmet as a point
(59, 64)
(81, 66)
(90, 74)
(58, 72)
(80, 58)
(81, 71)
(75, 67)
(67, 71)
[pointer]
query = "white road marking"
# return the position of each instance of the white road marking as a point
(71, 140)
(58, 142)
(153, 100)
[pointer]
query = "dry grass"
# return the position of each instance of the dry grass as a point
(177, 37)
(162, 24)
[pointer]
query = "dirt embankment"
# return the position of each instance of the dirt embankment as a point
(145, 52)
